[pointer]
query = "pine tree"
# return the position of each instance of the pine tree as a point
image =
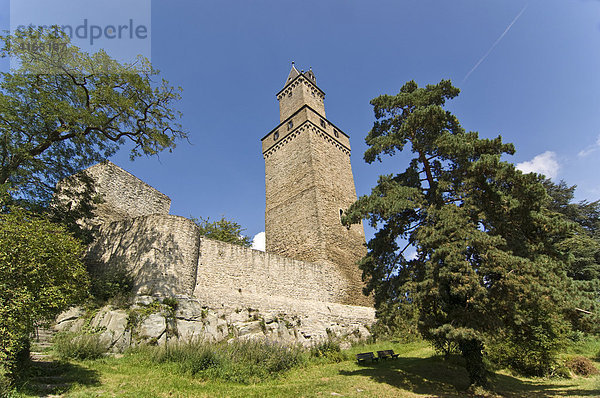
(583, 248)
(486, 270)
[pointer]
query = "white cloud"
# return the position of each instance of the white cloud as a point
(258, 242)
(590, 149)
(544, 163)
(584, 152)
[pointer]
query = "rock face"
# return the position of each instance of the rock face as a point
(151, 322)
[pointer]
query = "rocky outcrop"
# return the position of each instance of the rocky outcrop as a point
(150, 321)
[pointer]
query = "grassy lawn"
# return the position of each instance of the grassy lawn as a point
(417, 372)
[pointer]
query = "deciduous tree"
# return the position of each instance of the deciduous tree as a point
(223, 230)
(62, 110)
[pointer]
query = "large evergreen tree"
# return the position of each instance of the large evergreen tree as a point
(487, 269)
(583, 248)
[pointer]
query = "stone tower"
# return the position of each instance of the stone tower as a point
(308, 184)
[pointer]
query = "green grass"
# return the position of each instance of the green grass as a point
(417, 372)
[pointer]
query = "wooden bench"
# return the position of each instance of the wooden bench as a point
(366, 356)
(386, 354)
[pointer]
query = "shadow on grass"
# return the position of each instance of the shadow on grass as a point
(436, 377)
(431, 376)
(43, 378)
(509, 386)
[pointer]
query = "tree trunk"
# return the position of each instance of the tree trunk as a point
(472, 352)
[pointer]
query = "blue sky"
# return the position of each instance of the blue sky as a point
(538, 87)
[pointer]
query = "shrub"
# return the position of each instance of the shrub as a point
(114, 285)
(329, 350)
(537, 358)
(70, 345)
(237, 361)
(581, 366)
(40, 275)
(562, 372)
(5, 383)
(397, 321)
(171, 302)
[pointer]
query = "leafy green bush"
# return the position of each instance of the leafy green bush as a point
(587, 345)
(5, 383)
(536, 359)
(237, 361)
(329, 350)
(113, 285)
(171, 302)
(561, 371)
(397, 321)
(40, 275)
(70, 345)
(223, 230)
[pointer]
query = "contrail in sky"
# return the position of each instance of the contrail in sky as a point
(495, 44)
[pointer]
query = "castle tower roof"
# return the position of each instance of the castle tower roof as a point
(293, 74)
(311, 76)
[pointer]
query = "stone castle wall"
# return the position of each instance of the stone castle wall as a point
(167, 257)
(238, 272)
(124, 195)
(159, 251)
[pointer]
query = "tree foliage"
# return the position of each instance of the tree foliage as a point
(41, 274)
(223, 230)
(62, 110)
(583, 248)
(486, 261)
(584, 213)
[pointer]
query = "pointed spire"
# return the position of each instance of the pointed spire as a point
(310, 74)
(293, 73)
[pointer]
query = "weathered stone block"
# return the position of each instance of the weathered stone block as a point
(153, 327)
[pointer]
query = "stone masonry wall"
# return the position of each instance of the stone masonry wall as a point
(291, 217)
(167, 256)
(308, 180)
(231, 274)
(160, 252)
(125, 195)
(335, 192)
(299, 92)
